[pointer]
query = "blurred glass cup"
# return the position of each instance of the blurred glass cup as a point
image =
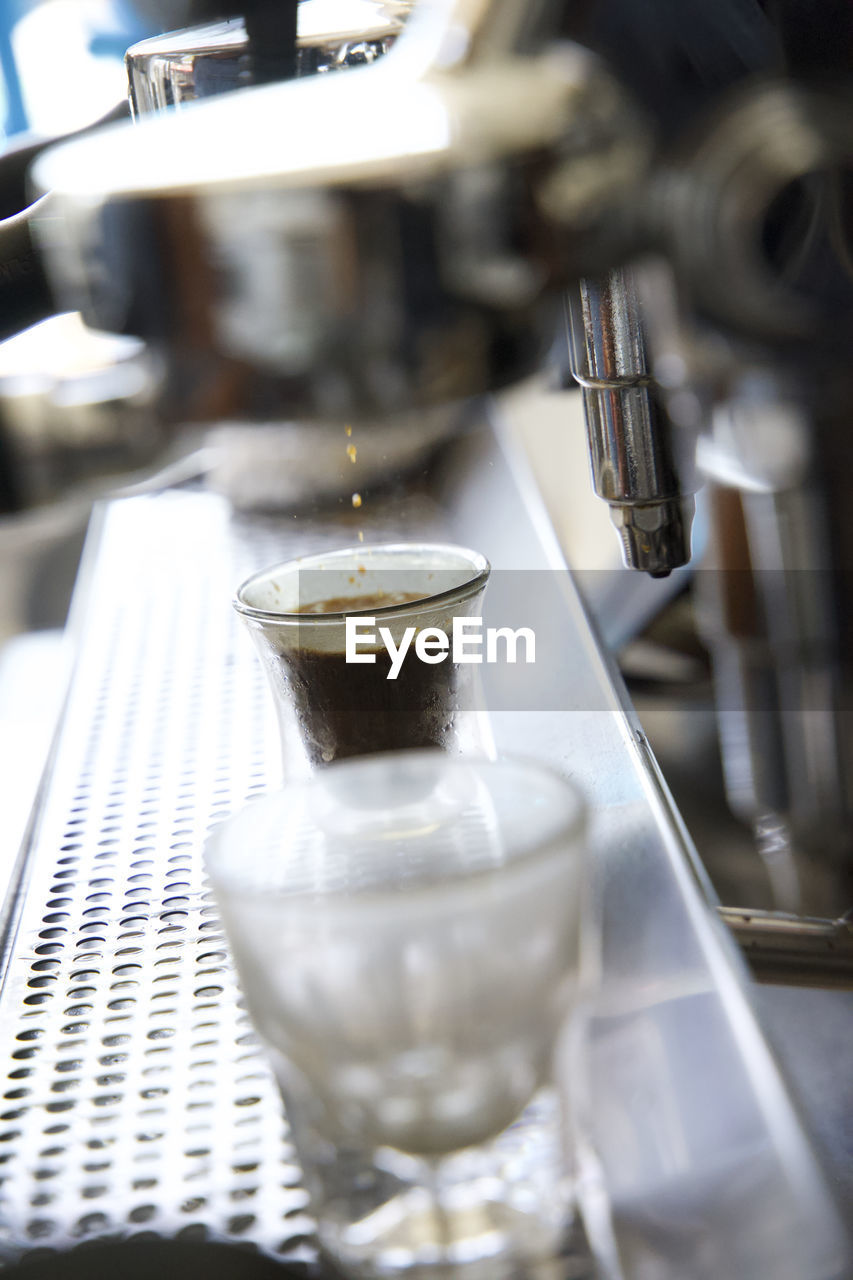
(328, 707)
(406, 931)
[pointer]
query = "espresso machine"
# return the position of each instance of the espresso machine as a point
(687, 211)
(376, 231)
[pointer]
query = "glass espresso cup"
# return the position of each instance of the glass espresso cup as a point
(340, 638)
(406, 932)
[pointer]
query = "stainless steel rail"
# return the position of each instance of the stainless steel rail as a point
(136, 1099)
(791, 949)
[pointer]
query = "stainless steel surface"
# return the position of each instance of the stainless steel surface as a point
(781, 948)
(754, 354)
(198, 62)
(767, 605)
(810, 1029)
(812, 1032)
(136, 1096)
(631, 448)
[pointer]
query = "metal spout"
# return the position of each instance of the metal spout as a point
(633, 467)
(655, 535)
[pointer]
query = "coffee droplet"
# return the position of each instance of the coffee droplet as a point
(356, 499)
(361, 535)
(348, 430)
(351, 452)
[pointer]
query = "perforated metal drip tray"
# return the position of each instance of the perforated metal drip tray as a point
(136, 1100)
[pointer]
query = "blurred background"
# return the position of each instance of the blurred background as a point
(80, 420)
(63, 61)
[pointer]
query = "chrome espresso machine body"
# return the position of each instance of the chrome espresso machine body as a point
(659, 194)
(409, 232)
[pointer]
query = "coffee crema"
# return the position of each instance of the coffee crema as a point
(362, 603)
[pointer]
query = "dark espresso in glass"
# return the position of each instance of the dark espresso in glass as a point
(351, 709)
